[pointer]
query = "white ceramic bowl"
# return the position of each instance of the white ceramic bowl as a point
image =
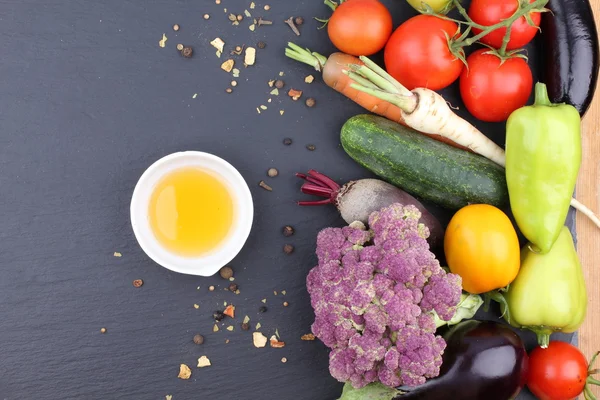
(208, 264)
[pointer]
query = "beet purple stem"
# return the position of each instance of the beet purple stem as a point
(320, 185)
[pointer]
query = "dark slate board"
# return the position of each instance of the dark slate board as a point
(88, 101)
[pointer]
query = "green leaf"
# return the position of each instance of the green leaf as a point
(373, 391)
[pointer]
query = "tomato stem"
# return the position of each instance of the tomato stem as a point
(332, 4)
(524, 9)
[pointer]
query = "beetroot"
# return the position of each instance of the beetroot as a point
(356, 200)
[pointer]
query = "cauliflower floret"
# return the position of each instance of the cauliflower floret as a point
(378, 295)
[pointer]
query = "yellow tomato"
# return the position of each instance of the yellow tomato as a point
(437, 5)
(481, 245)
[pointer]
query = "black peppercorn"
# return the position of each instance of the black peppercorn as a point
(187, 52)
(298, 20)
(279, 84)
(310, 102)
(245, 326)
(288, 249)
(233, 287)
(198, 339)
(262, 309)
(218, 316)
(287, 141)
(288, 231)
(311, 147)
(226, 272)
(261, 45)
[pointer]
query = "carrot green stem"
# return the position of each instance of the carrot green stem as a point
(316, 60)
(383, 73)
(361, 80)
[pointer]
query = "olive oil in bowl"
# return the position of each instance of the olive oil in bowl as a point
(191, 211)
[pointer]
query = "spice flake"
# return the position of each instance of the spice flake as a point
(264, 301)
(230, 311)
(230, 328)
(195, 95)
(163, 42)
(196, 306)
(216, 328)
(252, 5)
(218, 44)
(259, 339)
(295, 94)
(283, 292)
(184, 372)
(276, 343)
(281, 112)
(274, 92)
(227, 66)
(246, 319)
(258, 325)
(168, 397)
(247, 13)
(117, 254)
(309, 79)
(203, 362)
(235, 72)
(308, 336)
(250, 56)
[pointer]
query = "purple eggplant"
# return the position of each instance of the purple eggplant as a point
(483, 360)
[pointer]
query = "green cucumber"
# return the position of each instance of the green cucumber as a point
(427, 168)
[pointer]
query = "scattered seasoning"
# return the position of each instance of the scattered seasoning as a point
(198, 339)
(117, 254)
(274, 92)
(238, 50)
(232, 17)
(232, 279)
(295, 94)
(230, 311)
(187, 52)
(252, 5)
(247, 13)
(309, 79)
(226, 272)
(283, 360)
(179, 47)
(235, 72)
(233, 287)
(290, 22)
(287, 141)
(285, 304)
(276, 343)
(277, 333)
(252, 27)
(102, 330)
(258, 325)
(218, 1)
(196, 306)
(240, 17)
(310, 102)
(288, 231)
(176, 27)
(226, 341)
(245, 326)
(229, 90)
(138, 283)
(259, 339)
(218, 44)
(308, 336)
(262, 309)
(298, 20)
(246, 319)
(162, 42)
(218, 315)
(216, 328)
(281, 73)
(288, 249)
(168, 397)
(211, 288)
(195, 95)
(184, 372)
(268, 101)
(250, 56)
(279, 84)
(272, 172)
(281, 112)
(260, 21)
(264, 301)
(275, 292)
(261, 45)
(206, 16)
(227, 66)
(271, 83)
(263, 107)
(234, 83)
(203, 362)
(311, 147)
(230, 328)
(263, 185)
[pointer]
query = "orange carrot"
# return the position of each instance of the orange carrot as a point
(333, 68)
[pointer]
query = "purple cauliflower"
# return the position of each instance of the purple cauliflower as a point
(378, 295)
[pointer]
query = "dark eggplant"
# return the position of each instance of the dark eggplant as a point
(484, 360)
(570, 52)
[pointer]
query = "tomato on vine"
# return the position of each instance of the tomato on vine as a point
(492, 88)
(560, 372)
(359, 27)
(490, 12)
(418, 53)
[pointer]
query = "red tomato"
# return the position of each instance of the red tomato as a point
(360, 27)
(417, 53)
(558, 372)
(490, 91)
(490, 12)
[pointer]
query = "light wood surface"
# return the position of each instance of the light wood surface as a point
(588, 192)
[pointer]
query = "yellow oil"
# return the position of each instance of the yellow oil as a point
(191, 212)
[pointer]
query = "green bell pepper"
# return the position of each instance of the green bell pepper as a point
(549, 293)
(543, 157)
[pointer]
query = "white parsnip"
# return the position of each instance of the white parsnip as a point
(427, 112)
